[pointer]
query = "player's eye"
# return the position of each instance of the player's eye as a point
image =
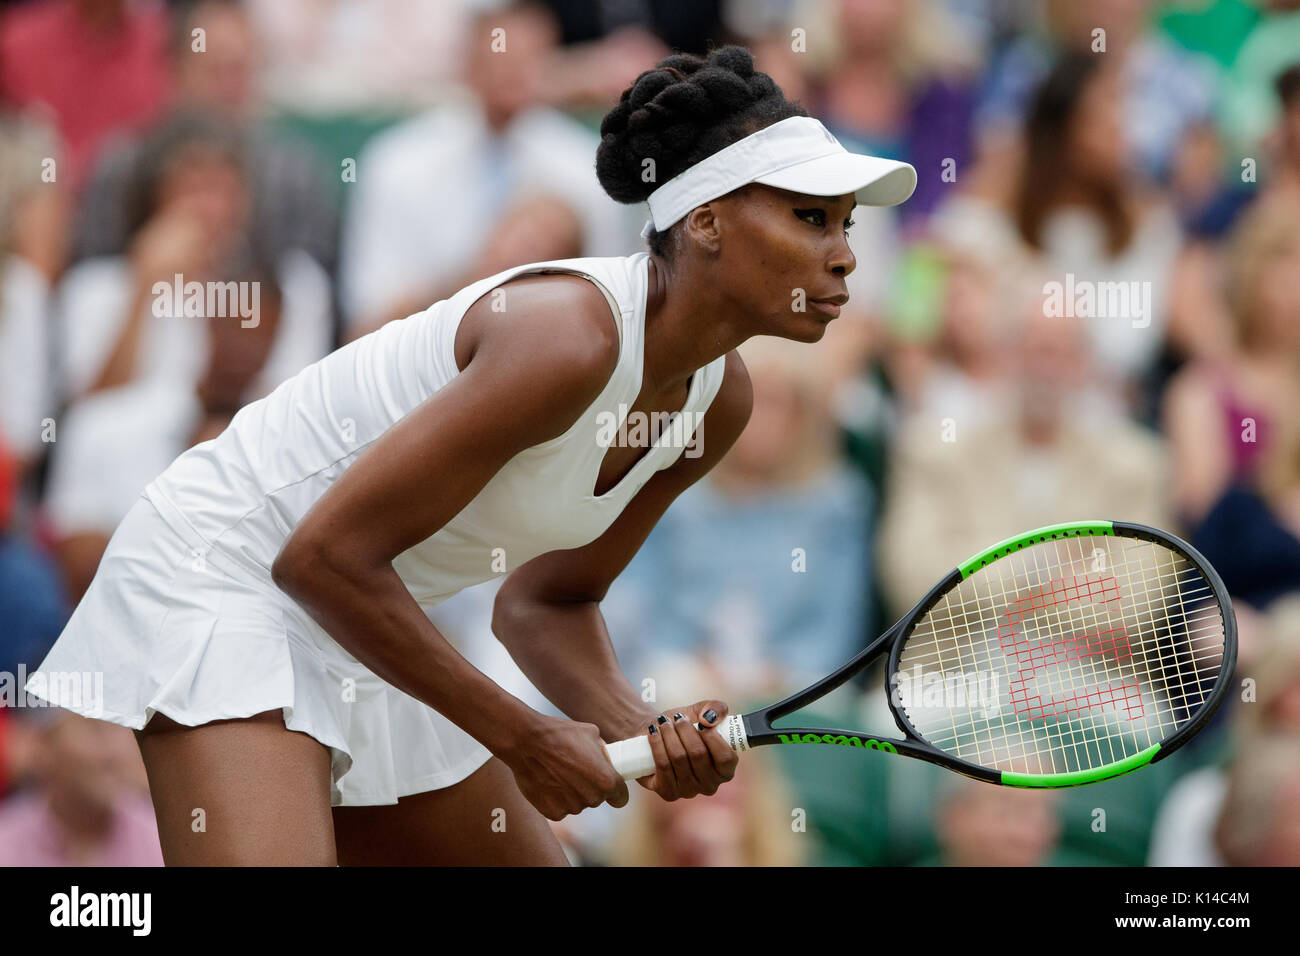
(817, 217)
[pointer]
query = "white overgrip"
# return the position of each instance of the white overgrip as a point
(633, 758)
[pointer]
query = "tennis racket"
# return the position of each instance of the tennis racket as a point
(1067, 655)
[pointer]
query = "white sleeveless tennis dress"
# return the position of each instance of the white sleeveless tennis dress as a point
(182, 617)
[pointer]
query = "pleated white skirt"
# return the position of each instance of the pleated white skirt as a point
(167, 627)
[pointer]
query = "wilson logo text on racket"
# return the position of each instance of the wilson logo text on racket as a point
(843, 740)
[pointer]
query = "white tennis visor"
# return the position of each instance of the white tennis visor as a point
(798, 154)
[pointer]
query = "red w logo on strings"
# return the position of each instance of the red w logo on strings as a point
(1032, 657)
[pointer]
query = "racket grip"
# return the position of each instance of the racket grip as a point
(633, 758)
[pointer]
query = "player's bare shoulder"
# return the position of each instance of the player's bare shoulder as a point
(562, 320)
(550, 340)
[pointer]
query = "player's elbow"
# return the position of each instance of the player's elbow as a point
(300, 564)
(285, 569)
(521, 614)
(516, 615)
(507, 613)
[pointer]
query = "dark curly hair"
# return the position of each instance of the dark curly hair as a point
(685, 109)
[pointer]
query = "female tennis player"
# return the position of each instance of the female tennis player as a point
(259, 615)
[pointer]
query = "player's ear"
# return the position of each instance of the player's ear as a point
(702, 226)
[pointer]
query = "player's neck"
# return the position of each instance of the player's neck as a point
(688, 325)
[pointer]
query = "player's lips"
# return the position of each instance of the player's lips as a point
(831, 305)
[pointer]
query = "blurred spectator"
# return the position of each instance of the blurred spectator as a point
(353, 56)
(1162, 90)
(980, 825)
(1184, 831)
(746, 823)
(1088, 223)
(89, 807)
(430, 191)
(121, 318)
(8, 485)
(1259, 824)
(291, 200)
(1265, 513)
(1222, 413)
(955, 489)
(1209, 202)
(1275, 669)
(867, 809)
(685, 27)
(92, 485)
(605, 46)
(19, 745)
(33, 608)
(1283, 187)
(765, 563)
(889, 78)
(32, 604)
(948, 352)
(97, 66)
(1248, 108)
(536, 228)
(33, 219)
(774, 55)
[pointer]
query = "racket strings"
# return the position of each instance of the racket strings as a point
(1123, 696)
(1129, 693)
(1074, 660)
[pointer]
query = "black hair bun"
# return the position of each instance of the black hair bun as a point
(686, 108)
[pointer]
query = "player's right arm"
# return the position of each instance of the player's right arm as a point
(528, 373)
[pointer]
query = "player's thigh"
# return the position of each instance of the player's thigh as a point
(482, 821)
(239, 792)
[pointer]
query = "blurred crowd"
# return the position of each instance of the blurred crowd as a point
(358, 160)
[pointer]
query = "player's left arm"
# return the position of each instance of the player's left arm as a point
(547, 612)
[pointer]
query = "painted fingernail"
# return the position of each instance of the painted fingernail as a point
(654, 729)
(663, 719)
(710, 715)
(679, 716)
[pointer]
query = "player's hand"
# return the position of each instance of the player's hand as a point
(563, 769)
(690, 762)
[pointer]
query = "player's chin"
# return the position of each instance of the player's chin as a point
(807, 327)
